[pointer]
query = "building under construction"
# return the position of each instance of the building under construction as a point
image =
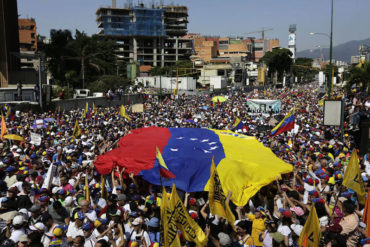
(147, 35)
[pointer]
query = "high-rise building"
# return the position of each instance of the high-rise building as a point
(292, 39)
(147, 35)
(9, 40)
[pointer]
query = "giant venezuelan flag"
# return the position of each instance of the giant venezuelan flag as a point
(244, 165)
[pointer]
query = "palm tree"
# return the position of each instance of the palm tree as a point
(360, 74)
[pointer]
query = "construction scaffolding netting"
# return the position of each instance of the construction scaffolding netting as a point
(146, 22)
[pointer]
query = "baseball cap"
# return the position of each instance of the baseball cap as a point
(121, 197)
(35, 208)
(137, 221)
(79, 215)
(38, 227)
(224, 239)
(100, 222)
(87, 226)
(297, 210)
(18, 220)
(44, 199)
(10, 169)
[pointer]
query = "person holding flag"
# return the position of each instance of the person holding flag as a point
(285, 125)
(4, 130)
(76, 130)
(353, 179)
(311, 232)
(123, 113)
(218, 203)
(164, 172)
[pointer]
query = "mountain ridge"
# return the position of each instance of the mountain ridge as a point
(341, 52)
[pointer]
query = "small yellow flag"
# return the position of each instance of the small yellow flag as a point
(76, 130)
(188, 227)
(169, 229)
(4, 130)
(311, 233)
(103, 189)
(95, 110)
(87, 190)
(353, 179)
(217, 198)
(85, 111)
(122, 113)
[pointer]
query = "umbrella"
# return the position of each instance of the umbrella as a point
(218, 99)
(50, 119)
(14, 137)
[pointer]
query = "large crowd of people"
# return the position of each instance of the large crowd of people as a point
(128, 214)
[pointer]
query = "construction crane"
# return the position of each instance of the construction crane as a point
(261, 31)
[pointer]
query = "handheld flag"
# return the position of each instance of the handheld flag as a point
(84, 113)
(163, 169)
(169, 228)
(166, 100)
(284, 94)
(300, 93)
(285, 125)
(76, 130)
(239, 125)
(122, 113)
(188, 227)
(353, 179)
(366, 215)
(88, 114)
(87, 190)
(4, 130)
(103, 189)
(95, 110)
(217, 198)
(310, 235)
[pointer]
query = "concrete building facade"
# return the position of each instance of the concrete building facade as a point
(222, 49)
(147, 35)
(9, 40)
(27, 35)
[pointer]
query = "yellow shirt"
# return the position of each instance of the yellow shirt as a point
(257, 228)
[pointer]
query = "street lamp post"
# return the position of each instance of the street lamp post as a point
(331, 49)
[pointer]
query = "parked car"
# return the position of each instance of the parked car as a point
(81, 93)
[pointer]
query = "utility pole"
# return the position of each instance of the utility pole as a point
(40, 82)
(331, 52)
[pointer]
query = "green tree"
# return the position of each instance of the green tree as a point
(359, 75)
(94, 54)
(55, 51)
(278, 60)
(303, 69)
(106, 82)
(80, 59)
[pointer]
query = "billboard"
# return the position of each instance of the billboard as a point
(332, 112)
(292, 38)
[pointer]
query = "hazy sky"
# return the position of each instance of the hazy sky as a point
(225, 17)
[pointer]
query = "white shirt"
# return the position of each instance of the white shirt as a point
(284, 230)
(97, 234)
(74, 231)
(90, 241)
(137, 238)
(16, 234)
(267, 241)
